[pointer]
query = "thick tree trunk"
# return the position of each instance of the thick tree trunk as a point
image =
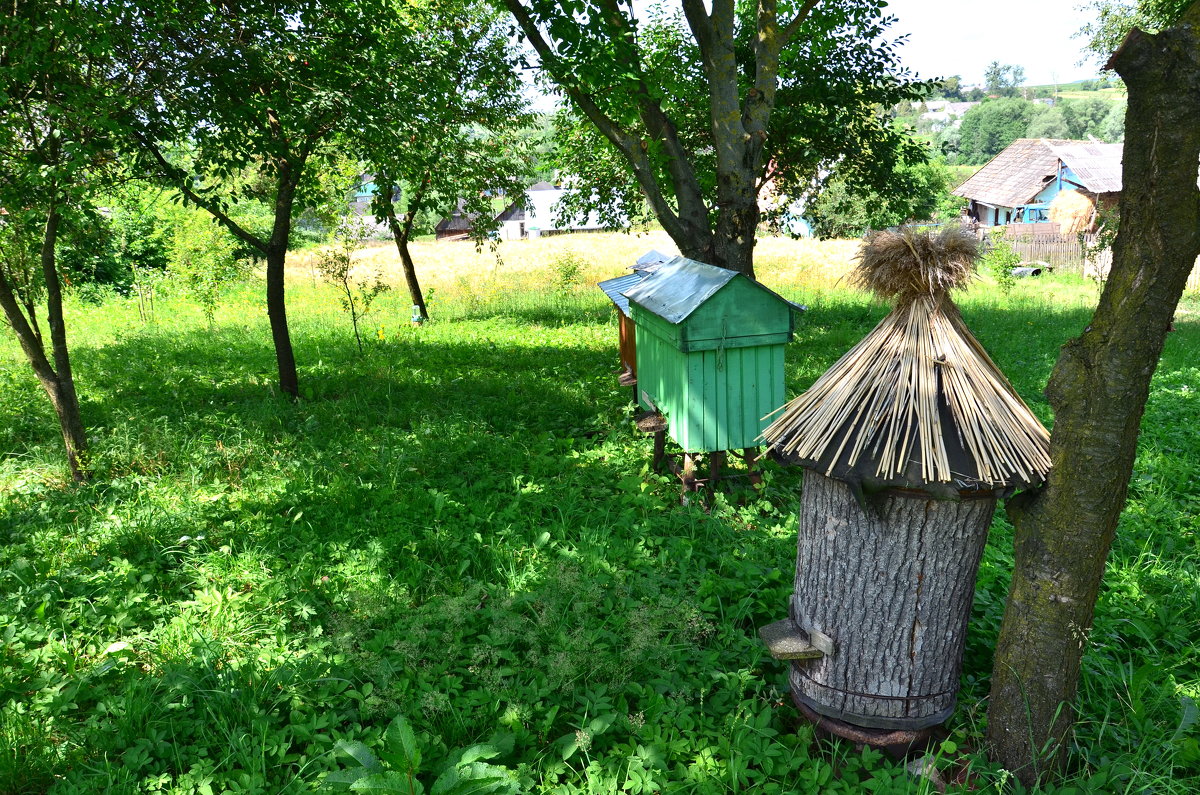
(1098, 390)
(276, 256)
(888, 593)
(56, 379)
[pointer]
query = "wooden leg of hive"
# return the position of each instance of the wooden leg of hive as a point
(716, 462)
(689, 472)
(660, 447)
(749, 455)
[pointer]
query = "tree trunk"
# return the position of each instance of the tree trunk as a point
(401, 234)
(56, 379)
(276, 256)
(737, 221)
(1098, 391)
(887, 592)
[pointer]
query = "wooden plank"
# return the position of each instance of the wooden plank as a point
(786, 641)
(736, 397)
(739, 309)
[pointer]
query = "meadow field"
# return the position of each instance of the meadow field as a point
(460, 526)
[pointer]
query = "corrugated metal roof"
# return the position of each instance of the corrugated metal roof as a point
(679, 287)
(651, 261)
(1016, 175)
(1097, 166)
(614, 289)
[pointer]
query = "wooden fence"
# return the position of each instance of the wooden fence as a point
(1065, 253)
(1068, 253)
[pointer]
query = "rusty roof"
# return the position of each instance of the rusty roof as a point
(1016, 175)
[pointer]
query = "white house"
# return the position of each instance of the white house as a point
(540, 214)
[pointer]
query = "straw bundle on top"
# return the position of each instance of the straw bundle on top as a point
(918, 403)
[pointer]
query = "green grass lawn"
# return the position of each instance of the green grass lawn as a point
(461, 527)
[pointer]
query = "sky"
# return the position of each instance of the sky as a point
(952, 37)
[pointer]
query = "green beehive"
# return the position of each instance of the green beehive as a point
(709, 353)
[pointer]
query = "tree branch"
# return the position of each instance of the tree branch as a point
(181, 185)
(627, 144)
(790, 29)
(701, 25)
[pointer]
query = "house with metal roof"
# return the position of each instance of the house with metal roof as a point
(1018, 185)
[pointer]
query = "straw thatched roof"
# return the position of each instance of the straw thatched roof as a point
(917, 403)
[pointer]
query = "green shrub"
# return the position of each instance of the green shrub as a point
(999, 261)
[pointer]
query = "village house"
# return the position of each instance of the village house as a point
(538, 214)
(1021, 184)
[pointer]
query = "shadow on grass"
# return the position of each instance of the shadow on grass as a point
(465, 525)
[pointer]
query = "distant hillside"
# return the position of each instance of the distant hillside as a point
(1097, 88)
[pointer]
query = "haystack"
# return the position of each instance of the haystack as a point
(918, 403)
(1073, 211)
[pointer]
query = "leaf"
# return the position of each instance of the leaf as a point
(346, 777)
(361, 754)
(113, 648)
(401, 732)
(391, 781)
(477, 752)
(1189, 717)
(601, 724)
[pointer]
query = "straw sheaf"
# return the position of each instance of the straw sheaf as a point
(918, 400)
(1072, 211)
(900, 266)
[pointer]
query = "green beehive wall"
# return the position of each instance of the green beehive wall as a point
(719, 372)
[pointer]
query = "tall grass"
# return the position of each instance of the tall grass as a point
(461, 526)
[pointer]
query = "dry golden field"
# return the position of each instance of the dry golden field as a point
(456, 267)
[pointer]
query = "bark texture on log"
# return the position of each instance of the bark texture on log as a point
(1098, 390)
(892, 589)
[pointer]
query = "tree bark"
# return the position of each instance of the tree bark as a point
(401, 234)
(1098, 390)
(891, 589)
(57, 379)
(274, 249)
(276, 256)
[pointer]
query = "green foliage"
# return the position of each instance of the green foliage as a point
(462, 528)
(398, 768)
(999, 261)
(568, 269)
(917, 192)
(203, 258)
(1113, 19)
(640, 118)
(1003, 80)
(990, 126)
(356, 293)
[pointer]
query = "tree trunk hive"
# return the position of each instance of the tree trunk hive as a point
(907, 441)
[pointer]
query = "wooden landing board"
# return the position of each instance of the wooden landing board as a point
(786, 641)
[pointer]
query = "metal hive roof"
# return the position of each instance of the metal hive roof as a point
(614, 288)
(651, 261)
(679, 287)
